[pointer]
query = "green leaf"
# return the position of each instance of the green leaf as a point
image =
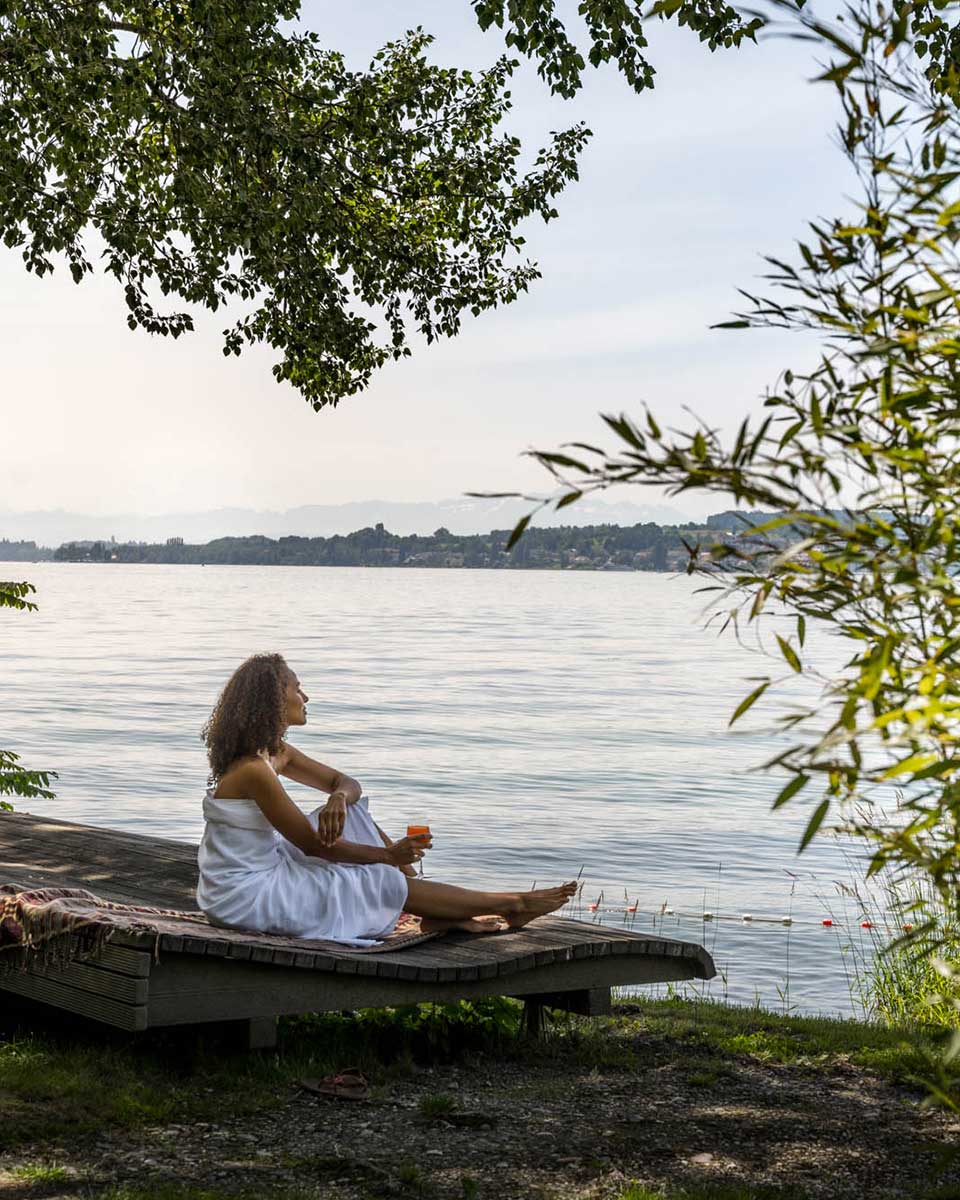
(625, 429)
(748, 702)
(518, 529)
(935, 770)
(910, 764)
(14, 595)
(789, 654)
(814, 824)
(563, 460)
(795, 785)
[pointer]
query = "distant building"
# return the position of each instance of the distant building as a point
(175, 541)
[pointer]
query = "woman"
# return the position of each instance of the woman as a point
(330, 875)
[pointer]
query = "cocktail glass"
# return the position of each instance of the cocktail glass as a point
(418, 831)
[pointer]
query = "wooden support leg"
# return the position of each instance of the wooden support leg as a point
(247, 1033)
(532, 1022)
(587, 1002)
(261, 1033)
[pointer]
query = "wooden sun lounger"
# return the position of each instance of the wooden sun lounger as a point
(553, 962)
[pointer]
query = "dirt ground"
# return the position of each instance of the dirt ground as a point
(679, 1119)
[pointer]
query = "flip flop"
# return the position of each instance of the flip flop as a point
(348, 1084)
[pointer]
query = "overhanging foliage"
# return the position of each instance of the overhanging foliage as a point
(861, 459)
(15, 780)
(223, 159)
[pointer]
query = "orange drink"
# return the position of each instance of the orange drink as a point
(419, 831)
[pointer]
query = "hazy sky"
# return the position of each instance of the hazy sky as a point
(682, 190)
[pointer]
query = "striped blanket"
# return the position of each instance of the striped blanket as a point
(48, 926)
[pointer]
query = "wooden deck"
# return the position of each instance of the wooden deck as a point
(218, 976)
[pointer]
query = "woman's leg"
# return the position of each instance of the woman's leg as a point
(446, 902)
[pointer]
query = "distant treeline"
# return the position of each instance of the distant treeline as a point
(23, 552)
(643, 547)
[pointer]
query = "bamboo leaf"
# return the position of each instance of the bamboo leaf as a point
(789, 654)
(518, 529)
(910, 764)
(814, 824)
(563, 460)
(795, 785)
(935, 770)
(748, 702)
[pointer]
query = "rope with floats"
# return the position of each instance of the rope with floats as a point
(634, 910)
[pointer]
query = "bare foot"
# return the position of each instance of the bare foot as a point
(531, 905)
(467, 925)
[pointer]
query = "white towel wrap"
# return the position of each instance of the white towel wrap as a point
(252, 878)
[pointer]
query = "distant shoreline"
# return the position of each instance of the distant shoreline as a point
(641, 547)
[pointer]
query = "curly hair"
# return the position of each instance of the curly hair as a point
(248, 716)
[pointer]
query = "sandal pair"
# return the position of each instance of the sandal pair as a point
(348, 1084)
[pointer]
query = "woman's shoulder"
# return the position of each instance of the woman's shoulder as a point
(235, 783)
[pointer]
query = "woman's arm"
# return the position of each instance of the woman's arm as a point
(301, 768)
(408, 869)
(397, 854)
(256, 780)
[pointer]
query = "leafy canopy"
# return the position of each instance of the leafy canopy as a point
(222, 160)
(615, 33)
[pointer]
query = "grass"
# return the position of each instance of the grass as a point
(172, 1191)
(904, 986)
(892, 977)
(163, 1191)
(711, 1192)
(47, 1085)
(437, 1107)
(56, 1085)
(410, 1181)
(38, 1173)
(721, 1191)
(726, 1030)
(410, 1176)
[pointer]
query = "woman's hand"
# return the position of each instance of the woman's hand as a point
(331, 818)
(408, 850)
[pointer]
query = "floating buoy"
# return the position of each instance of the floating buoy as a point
(827, 921)
(708, 916)
(866, 924)
(907, 927)
(747, 917)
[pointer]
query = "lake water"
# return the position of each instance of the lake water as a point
(545, 724)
